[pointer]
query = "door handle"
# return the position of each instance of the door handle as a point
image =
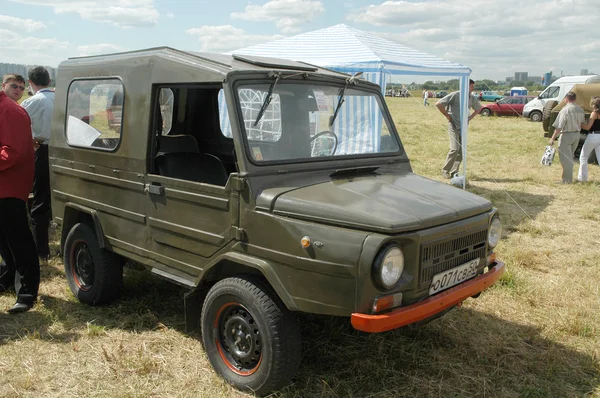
(154, 189)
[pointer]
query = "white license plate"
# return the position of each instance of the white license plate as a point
(454, 276)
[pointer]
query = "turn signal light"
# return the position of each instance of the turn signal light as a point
(386, 302)
(305, 242)
(491, 258)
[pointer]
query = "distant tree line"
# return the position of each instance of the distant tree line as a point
(480, 85)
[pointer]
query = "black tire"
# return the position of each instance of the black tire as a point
(252, 340)
(535, 116)
(546, 111)
(486, 112)
(95, 275)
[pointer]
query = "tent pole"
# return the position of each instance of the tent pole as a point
(464, 122)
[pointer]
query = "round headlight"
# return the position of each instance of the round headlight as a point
(494, 233)
(389, 270)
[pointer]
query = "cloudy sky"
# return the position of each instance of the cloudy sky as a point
(493, 38)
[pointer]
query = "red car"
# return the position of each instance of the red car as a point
(507, 106)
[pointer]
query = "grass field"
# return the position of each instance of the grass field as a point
(535, 334)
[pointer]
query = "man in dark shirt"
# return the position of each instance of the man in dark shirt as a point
(22, 269)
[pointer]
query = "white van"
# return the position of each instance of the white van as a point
(555, 91)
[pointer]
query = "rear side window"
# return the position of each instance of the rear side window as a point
(94, 113)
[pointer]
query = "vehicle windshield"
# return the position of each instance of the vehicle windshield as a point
(299, 123)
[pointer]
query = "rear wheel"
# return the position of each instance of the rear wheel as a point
(251, 339)
(486, 112)
(95, 275)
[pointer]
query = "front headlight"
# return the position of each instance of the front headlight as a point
(388, 267)
(495, 232)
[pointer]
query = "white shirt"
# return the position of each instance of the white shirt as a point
(39, 107)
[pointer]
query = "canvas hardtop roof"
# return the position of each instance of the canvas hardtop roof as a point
(217, 66)
(585, 93)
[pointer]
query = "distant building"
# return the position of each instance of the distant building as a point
(520, 76)
(535, 79)
(510, 79)
(23, 69)
(584, 72)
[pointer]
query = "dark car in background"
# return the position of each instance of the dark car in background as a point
(441, 94)
(508, 106)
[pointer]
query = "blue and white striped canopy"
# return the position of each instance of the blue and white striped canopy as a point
(346, 49)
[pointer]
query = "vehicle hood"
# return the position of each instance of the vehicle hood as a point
(381, 203)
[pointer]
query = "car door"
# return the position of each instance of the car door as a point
(518, 105)
(503, 107)
(192, 203)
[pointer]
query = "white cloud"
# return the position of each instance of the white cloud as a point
(101, 48)
(226, 38)
(494, 39)
(12, 23)
(20, 49)
(287, 14)
(124, 13)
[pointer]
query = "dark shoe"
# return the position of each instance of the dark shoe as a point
(446, 175)
(20, 307)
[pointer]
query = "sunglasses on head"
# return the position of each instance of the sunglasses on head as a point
(16, 86)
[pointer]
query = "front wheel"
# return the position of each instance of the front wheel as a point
(535, 116)
(486, 112)
(251, 339)
(95, 275)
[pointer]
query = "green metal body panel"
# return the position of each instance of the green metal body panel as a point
(194, 233)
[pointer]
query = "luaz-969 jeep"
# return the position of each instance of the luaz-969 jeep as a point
(267, 188)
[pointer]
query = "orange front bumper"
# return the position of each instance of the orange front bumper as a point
(429, 307)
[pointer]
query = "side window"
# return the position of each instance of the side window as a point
(94, 113)
(167, 100)
(551, 92)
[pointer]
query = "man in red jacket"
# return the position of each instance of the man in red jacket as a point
(22, 269)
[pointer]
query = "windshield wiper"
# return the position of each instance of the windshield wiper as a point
(267, 100)
(342, 95)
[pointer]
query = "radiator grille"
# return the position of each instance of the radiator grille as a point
(442, 256)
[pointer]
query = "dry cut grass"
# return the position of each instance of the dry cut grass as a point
(535, 334)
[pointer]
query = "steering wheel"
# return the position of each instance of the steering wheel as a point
(322, 133)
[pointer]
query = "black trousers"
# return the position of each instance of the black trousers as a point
(41, 213)
(17, 248)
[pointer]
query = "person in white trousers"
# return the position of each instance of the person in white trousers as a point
(592, 142)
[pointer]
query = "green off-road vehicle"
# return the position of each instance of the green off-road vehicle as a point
(266, 188)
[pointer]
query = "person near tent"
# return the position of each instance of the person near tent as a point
(425, 96)
(449, 106)
(567, 125)
(592, 142)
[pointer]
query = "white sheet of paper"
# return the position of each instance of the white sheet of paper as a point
(80, 133)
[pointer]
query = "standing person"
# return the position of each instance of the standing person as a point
(592, 142)
(450, 108)
(39, 107)
(425, 96)
(567, 125)
(14, 86)
(22, 268)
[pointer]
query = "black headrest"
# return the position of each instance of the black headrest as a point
(177, 143)
(198, 167)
